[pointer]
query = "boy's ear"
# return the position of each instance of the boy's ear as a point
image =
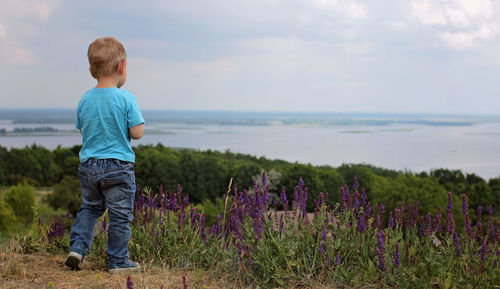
(91, 73)
(122, 66)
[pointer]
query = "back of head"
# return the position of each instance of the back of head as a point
(105, 55)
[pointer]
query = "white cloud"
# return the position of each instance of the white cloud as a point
(459, 24)
(466, 40)
(456, 13)
(14, 15)
(428, 12)
(349, 8)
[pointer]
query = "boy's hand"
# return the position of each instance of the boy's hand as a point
(136, 131)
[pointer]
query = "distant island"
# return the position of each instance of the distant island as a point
(28, 130)
(257, 118)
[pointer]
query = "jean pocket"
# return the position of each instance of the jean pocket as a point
(90, 192)
(117, 188)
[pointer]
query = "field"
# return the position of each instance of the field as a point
(251, 244)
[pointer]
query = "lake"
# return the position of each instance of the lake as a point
(400, 142)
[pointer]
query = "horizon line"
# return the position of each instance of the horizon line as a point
(481, 114)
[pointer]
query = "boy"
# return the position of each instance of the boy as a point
(107, 118)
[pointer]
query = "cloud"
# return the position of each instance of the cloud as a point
(349, 8)
(24, 19)
(466, 40)
(459, 24)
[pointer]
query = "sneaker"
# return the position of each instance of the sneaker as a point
(74, 261)
(125, 266)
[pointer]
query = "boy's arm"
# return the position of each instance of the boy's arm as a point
(135, 132)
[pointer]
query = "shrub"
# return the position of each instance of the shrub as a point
(7, 217)
(21, 198)
(66, 195)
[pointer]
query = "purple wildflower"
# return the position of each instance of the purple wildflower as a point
(337, 259)
(450, 202)
(363, 197)
(320, 248)
(356, 202)
(380, 239)
(323, 233)
(396, 257)
(438, 220)
(381, 259)
(216, 229)
(391, 221)
(457, 244)
(484, 249)
(422, 227)
(361, 225)
(284, 200)
(464, 204)
(130, 283)
(202, 229)
(450, 222)
(281, 224)
(184, 283)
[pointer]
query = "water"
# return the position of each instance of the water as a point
(400, 145)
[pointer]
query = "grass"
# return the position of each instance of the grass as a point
(45, 212)
(47, 271)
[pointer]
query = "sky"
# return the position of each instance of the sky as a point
(403, 56)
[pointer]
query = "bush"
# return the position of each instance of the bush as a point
(7, 217)
(22, 199)
(66, 195)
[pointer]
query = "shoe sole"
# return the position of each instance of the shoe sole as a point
(73, 262)
(128, 269)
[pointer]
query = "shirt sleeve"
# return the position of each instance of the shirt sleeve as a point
(134, 116)
(78, 124)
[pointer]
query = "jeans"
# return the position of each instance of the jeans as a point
(106, 184)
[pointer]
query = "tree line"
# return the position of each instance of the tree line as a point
(205, 175)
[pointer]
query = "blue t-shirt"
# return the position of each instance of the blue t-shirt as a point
(104, 116)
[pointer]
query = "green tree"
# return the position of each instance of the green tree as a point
(21, 198)
(409, 188)
(243, 173)
(67, 162)
(156, 166)
(66, 195)
(495, 191)
(7, 217)
(364, 175)
(3, 166)
(311, 179)
(332, 181)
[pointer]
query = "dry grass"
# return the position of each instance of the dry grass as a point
(48, 271)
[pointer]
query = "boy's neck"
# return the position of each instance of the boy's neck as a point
(107, 81)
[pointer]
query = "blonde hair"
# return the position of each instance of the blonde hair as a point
(105, 55)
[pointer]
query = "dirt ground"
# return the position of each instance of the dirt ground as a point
(48, 271)
(32, 271)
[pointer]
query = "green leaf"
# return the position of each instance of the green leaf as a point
(447, 281)
(280, 282)
(371, 268)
